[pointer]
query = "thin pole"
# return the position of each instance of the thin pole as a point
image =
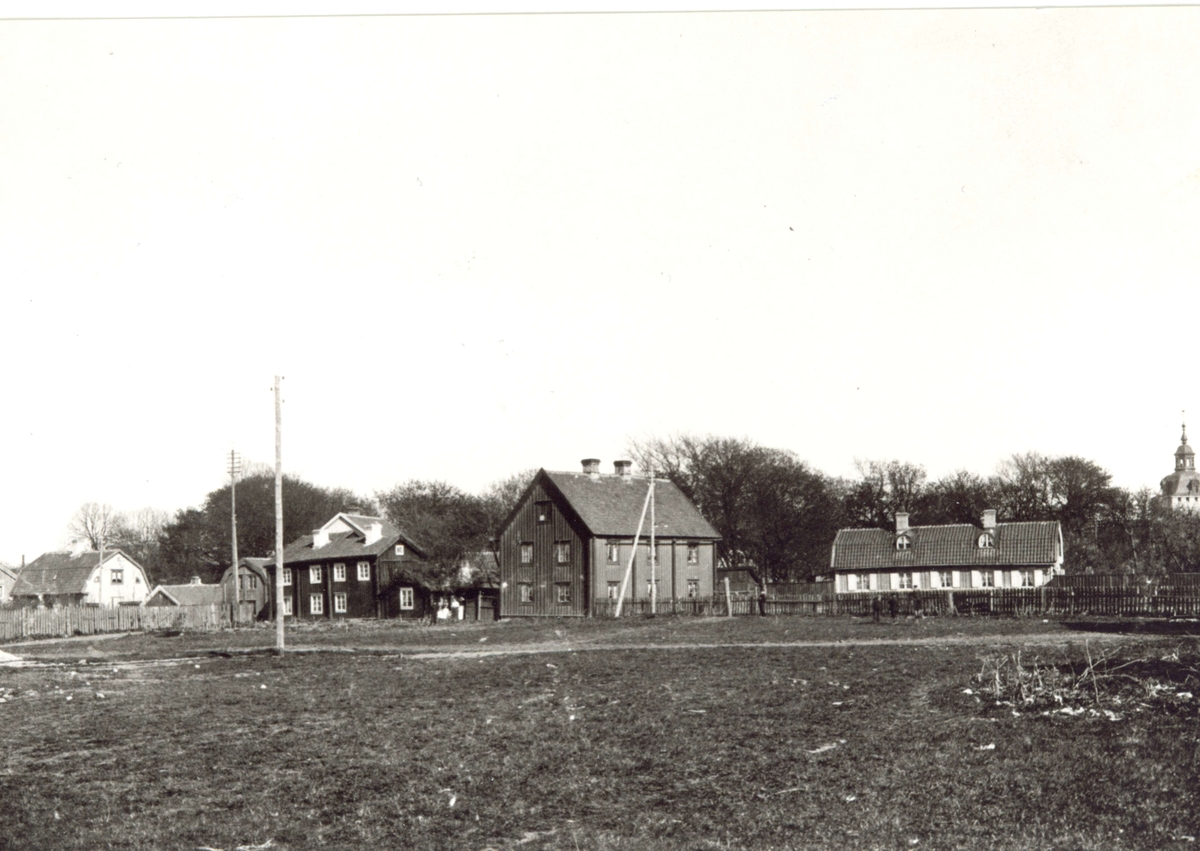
(632, 554)
(233, 471)
(278, 520)
(653, 552)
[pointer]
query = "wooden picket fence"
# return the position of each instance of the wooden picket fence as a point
(62, 621)
(1135, 600)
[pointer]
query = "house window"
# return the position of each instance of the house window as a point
(314, 575)
(986, 541)
(904, 581)
(287, 606)
(253, 582)
(116, 577)
(564, 592)
(316, 604)
(364, 571)
(903, 542)
(693, 554)
(614, 590)
(339, 572)
(1026, 578)
(864, 582)
(652, 586)
(339, 602)
(526, 553)
(946, 578)
(399, 550)
(693, 590)
(562, 552)
(614, 554)
(543, 512)
(406, 599)
(287, 576)
(524, 592)
(987, 579)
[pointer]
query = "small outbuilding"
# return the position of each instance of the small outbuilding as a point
(195, 593)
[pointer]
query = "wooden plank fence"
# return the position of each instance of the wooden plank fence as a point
(64, 621)
(1135, 600)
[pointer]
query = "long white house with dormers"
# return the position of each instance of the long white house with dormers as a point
(81, 577)
(962, 555)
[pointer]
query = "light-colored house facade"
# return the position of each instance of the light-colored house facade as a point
(952, 557)
(81, 577)
(8, 578)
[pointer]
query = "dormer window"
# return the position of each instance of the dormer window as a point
(903, 542)
(987, 541)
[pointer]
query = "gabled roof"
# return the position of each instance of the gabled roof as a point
(61, 573)
(347, 545)
(611, 504)
(190, 595)
(257, 566)
(1028, 543)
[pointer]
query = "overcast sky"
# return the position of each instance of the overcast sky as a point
(478, 244)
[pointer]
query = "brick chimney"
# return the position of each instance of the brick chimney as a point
(591, 466)
(195, 581)
(373, 533)
(989, 518)
(320, 538)
(624, 469)
(901, 521)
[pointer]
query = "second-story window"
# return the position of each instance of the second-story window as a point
(314, 575)
(526, 553)
(986, 541)
(287, 576)
(614, 554)
(693, 554)
(903, 542)
(364, 571)
(339, 572)
(116, 577)
(562, 552)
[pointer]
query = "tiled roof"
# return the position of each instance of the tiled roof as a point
(59, 573)
(192, 594)
(611, 505)
(346, 545)
(1023, 543)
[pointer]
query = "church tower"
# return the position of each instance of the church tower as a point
(1182, 488)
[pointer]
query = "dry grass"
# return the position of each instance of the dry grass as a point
(605, 747)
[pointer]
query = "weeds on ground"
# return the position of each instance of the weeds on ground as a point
(1106, 683)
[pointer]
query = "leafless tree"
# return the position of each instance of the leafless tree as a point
(98, 523)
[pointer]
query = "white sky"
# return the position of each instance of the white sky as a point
(477, 244)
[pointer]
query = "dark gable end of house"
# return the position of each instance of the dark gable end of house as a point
(568, 541)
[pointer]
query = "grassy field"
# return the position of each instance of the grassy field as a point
(653, 734)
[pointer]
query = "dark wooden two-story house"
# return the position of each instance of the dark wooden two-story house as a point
(354, 566)
(566, 545)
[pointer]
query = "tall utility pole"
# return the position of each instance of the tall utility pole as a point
(278, 520)
(235, 467)
(653, 552)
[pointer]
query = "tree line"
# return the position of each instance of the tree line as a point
(776, 514)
